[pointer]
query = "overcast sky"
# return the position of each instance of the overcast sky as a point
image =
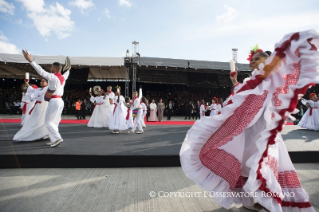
(182, 29)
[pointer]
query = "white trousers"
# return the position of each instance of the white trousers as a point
(143, 118)
(53, 118)
(138, 121)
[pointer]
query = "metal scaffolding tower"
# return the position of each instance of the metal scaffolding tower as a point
(134, 77)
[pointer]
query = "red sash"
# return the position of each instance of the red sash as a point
(24, 108)
(114, 109)
(56, 96)
(128, 114)
(37, 102)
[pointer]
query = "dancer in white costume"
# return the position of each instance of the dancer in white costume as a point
(118, 120)
(310, 119)
(242, 150)
(56, 83)
(213, 107)
(110, 97)
(137, 121)
(34, 127)
(26, 102)
(144, 108)
(102, 108)
(129, 114)
(202, 109)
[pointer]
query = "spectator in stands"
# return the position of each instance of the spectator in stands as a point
(16, 105)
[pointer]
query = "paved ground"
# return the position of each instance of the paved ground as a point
(157, 140)
(173, 118)
(82, 140)
(300, 139)
(116, 189)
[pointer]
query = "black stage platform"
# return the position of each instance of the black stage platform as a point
(85, 147)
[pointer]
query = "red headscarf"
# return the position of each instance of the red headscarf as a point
(312, 94)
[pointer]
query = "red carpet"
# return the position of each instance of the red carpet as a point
(70, 121)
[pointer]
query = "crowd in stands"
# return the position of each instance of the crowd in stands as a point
(10, 99)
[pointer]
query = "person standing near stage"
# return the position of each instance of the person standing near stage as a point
(189, 109)
(78, 109)
(56, 83)
(153, 108)
(170, 110)
(197, 105)
(148, 110)
(160, 108)
(137, 121)
(83, 108)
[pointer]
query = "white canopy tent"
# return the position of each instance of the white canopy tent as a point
(89, 61)
(15, 65)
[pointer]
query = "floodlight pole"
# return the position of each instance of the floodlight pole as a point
(134, 65)
(127, 62)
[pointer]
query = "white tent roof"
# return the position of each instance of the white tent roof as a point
(93, 61)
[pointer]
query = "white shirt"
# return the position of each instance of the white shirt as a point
(97, 99)
(53, 81)
(213, 106)
(39, 94)
(121, 100)
(143, 105)
(136, 104)
(111, 95)
(202, 109)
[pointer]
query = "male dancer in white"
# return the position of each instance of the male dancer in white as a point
(56, 83)
(137, 121)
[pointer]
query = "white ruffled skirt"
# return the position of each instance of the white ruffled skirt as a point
(34, 127)
(101, 116)
(310, 122)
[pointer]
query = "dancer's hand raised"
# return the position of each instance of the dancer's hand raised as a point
(27, 56)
